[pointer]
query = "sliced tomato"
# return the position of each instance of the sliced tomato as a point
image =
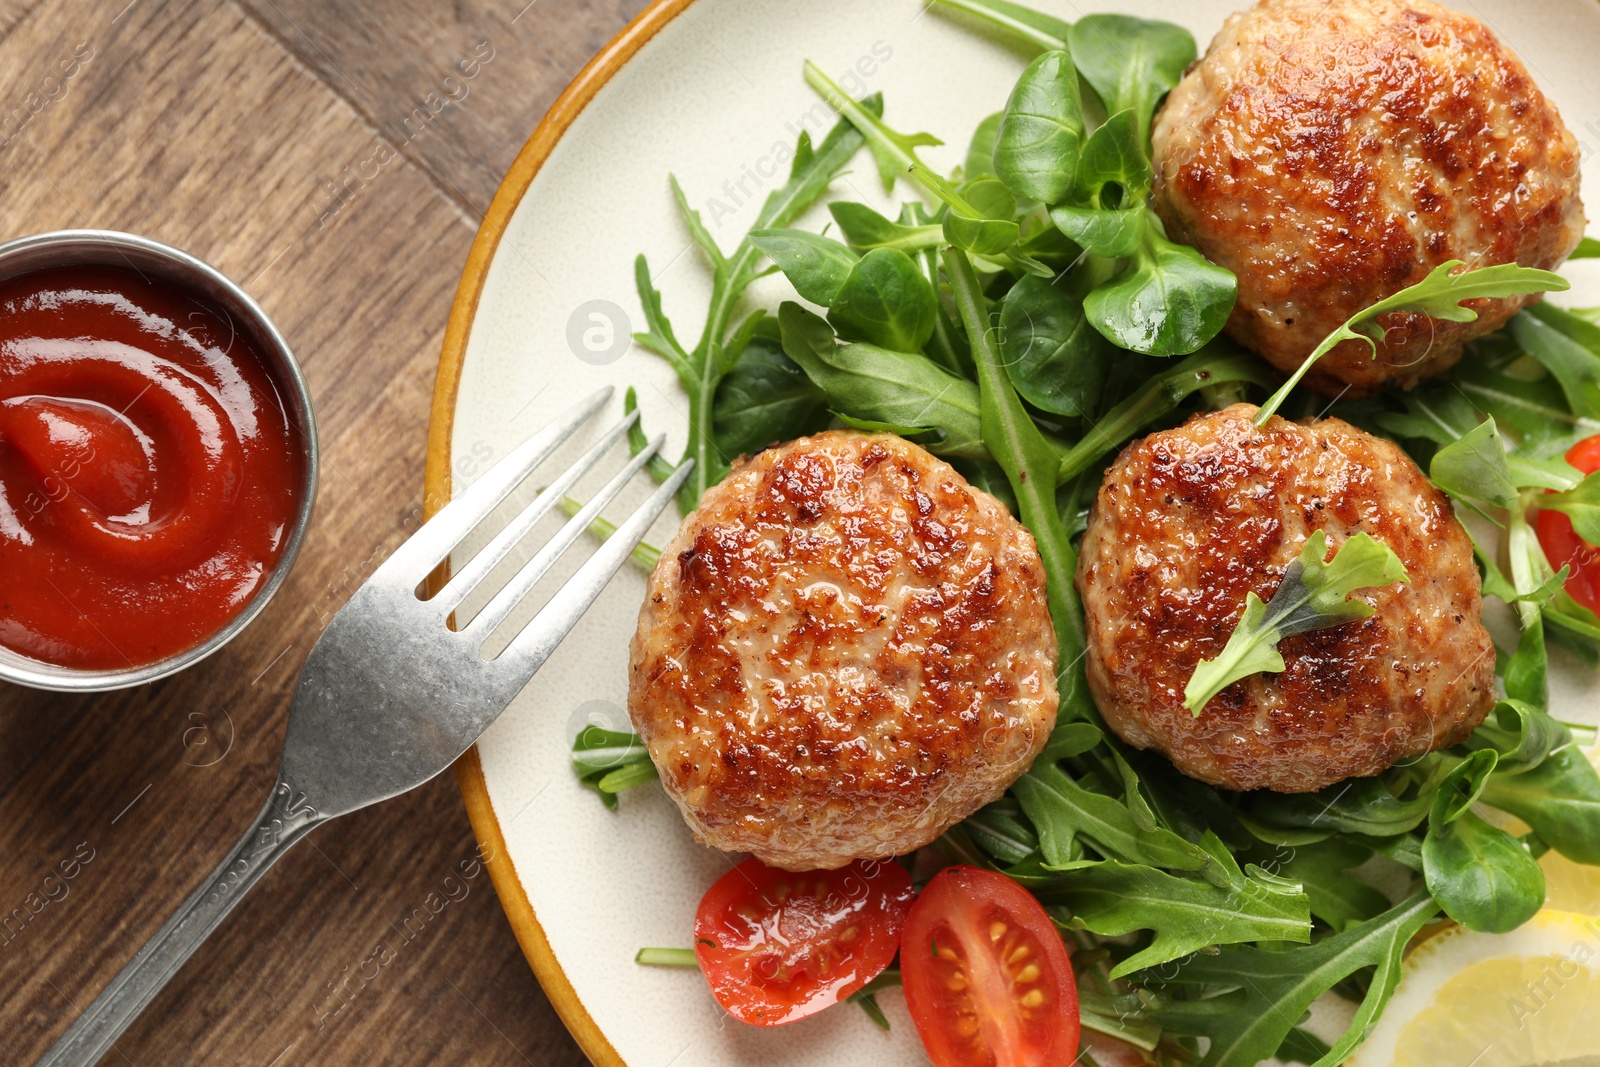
(1561, 543)
(987, 978)
(776, 946)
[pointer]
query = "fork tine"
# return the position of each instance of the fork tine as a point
(506, 600)
(530, 648)
(429, 546)
(478, 567)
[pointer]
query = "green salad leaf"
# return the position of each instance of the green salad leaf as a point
(1268, 991)
(1581, 504)
(1313, 595)
(1041, 130)
(1475, 469)
(611, 761)
(1042, 30)
(1169, 303)
(764, 399)
(1024, 320)
(1054, 358)
(902, 391)
(1186, 914)
(1105, 211)
(816, 266)
(1560, 799)
(1219, 363)
(1131, 62)
(1482, 877)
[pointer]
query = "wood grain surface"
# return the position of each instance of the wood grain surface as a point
(334, 157)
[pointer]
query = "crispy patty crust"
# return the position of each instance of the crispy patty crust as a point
(844, 650)
(1191, 520)
(1333, 153)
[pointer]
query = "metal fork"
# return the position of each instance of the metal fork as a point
(391, 695)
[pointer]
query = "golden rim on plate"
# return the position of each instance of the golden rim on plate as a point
(441, 424)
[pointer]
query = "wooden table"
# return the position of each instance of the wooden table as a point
(335, 158)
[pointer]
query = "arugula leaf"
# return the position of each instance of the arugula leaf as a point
(1441, 295)
(1337, 898)
(816, 266)
(1131, 63)
(1118, 1017)
(1312, 596)
(701, 370)
(1438, 413)
(885, 300)
(610, 761)
(902, 391)
(660, 469)
(1048, 33)
(1106, 211)
(697, 227)
(1482, 877)
(1496, 379)
(1581, 505)
(1169, 302)
(1588, 248)
(981, 224)
(1218, 363)
(1062, 811)
(1032, 467)
(1186, 914)
(1054, 358)
(1270, 991)
(1041, 130)
(658, 336)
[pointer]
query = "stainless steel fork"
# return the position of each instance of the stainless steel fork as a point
(391, 695)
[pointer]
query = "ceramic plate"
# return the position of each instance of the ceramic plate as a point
(711, 91)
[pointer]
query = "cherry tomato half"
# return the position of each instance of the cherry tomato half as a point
(1561, 543)
(987, 978)
(776, 946)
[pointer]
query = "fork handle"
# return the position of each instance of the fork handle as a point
(283, 821)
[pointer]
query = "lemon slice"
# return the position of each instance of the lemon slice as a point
(1530, 998)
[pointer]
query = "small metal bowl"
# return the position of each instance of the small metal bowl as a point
(108, 248)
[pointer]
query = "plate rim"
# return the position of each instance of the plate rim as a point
(594, 76)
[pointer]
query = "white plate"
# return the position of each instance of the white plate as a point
(710, 91)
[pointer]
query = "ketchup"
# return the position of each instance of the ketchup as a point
(149, 470)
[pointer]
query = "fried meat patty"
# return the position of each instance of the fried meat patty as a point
(1191, 520)
(844, 650)
(1333, 153)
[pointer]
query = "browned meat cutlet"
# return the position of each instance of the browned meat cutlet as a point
(1333, 153)
(1191, 520)
(844, 650)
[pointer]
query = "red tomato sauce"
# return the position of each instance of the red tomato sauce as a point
(149, 469)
